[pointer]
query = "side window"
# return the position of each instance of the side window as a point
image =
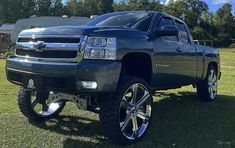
(183, 35)
(164, 22)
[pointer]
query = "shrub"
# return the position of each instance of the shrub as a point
(232, 45)
(6, 53)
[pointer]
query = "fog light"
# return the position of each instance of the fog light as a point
(88, 84)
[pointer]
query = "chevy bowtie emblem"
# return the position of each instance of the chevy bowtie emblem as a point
(39, 45)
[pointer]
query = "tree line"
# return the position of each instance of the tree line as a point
(205, 25)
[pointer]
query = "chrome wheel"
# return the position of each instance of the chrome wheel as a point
(212, 84)
(135, 111)
(42, 107)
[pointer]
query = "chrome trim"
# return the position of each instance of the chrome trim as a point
(49, 46)
(212, 84)
(53, 47)
(50, 59)
(44, 108)
(135, 105)
(33, 36)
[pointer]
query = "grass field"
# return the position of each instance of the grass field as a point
(179, 120)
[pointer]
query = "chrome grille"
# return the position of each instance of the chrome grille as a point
(50, 40)
(47, 53)
(49, 48)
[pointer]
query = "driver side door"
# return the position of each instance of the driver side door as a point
(167, 66)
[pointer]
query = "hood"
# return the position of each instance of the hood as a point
(69, 30)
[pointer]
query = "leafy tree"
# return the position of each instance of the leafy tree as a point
(188, 10)
(72, 7)
(178, 9)
(12, 10)
(4, 11)
(27, 8)
(105, 6)
(57, 8)
(225, 23)
(126, 5)
(208, 25)
(90, 7)
(203, 24)
(42, 7)
(200, 33)
(121, 6)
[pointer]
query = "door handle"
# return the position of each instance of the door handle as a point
(179, 50)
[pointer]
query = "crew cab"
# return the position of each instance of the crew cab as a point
(113, 66)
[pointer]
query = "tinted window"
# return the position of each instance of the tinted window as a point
(137, 20)
(164, 22)
(183, 35)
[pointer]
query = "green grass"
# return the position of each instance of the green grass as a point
(179, 119)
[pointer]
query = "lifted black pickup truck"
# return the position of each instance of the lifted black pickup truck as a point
(112, 65)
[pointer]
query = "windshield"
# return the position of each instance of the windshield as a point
(137, 20)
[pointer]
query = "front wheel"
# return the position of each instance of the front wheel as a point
(126, 115)
(35, 105)
(207, 89)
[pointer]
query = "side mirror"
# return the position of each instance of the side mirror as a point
(168, 30)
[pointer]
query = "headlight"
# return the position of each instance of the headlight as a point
(100, 48)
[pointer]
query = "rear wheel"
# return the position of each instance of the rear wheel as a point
(35, 105)
(125, 116)
(207, 89)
